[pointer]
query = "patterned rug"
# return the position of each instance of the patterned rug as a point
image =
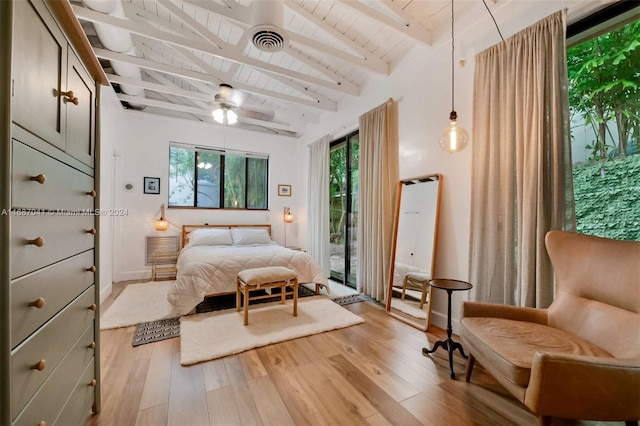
(347, 300)
(155, 331)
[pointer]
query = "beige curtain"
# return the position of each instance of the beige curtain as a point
(318, 202)
(521, 168)
(378, 183)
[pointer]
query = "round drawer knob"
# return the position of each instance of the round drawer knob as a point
(91, 269)
(39, 241)
(41, 179)
(91, 231)
(42, 423)
(91, 345)
(40, 365)
(39, 303)
(93, 383)
(92, 307)
(92, 193)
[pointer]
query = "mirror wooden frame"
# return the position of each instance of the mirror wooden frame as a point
(421, 325)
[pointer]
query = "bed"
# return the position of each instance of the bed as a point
(212, 256)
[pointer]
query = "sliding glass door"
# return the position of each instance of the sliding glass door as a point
(343, 208)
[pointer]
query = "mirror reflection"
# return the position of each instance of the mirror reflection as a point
(414, 249)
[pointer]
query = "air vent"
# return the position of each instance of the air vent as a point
(268, 38)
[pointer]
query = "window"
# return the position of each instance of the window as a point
(604, 95)
(217, 178)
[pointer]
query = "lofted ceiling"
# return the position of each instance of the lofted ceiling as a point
(288, 61)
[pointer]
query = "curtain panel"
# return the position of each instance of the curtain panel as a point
(378, 184)
(521, 164)
(318, 202)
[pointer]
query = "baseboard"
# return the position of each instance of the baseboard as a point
(105, 292)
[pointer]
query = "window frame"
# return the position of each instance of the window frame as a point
(222, 152)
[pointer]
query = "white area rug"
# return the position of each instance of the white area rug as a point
(212, 335)
(139, 303)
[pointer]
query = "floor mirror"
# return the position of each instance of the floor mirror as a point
(414, 250)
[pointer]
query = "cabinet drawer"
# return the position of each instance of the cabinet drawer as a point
(50, 343)
(63, 187)
(46, 404)
(80, 401)
(59, 237)
(53, 286)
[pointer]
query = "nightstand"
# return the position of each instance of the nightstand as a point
(164, 263)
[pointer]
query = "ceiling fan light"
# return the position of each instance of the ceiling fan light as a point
(232, 117)
(218, 115)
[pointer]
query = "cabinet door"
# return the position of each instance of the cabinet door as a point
(80, 116)
(39, 72)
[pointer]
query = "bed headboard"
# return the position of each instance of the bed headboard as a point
(186, 229)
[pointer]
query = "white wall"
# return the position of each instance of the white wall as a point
(420, 84)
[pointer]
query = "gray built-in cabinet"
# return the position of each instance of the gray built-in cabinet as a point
(49, 298)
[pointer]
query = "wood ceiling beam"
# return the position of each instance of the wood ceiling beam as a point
(166, 87)
(180, 72)
(227, 52)
(368, 61)
(203, 112)
(379, 64)
(415, 32)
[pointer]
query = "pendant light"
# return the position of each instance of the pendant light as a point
(161, 224)
(454, 138)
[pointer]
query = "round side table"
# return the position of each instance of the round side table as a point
(448, 344)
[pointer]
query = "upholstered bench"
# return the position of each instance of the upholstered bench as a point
(265, 278)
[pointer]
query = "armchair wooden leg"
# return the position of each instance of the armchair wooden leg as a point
(470, 364)
(544, 420)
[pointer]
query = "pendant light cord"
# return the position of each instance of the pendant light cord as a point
(494, 19)
(453, 46)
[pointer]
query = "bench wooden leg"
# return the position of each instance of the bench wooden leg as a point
(246, 305)
(238, 296)
(283, 294)
(295, 298)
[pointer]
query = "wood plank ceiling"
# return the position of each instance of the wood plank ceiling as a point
(184, 49)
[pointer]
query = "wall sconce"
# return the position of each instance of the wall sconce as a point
(161, 224)
(288, 218)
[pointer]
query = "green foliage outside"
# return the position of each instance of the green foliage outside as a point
(607, 196)
(604, 89)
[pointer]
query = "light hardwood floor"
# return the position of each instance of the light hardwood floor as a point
(369, 374)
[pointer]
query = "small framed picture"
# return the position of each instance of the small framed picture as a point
(284, 190)
(151, 185)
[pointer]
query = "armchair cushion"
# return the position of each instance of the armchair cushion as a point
(512, 357)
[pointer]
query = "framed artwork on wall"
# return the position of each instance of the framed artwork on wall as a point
(151, 185)
(284, 190)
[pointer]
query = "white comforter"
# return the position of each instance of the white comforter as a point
(205, 270)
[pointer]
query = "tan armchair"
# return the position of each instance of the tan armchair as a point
(580, 358)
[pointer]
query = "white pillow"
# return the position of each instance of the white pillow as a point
(250, 236)
(210, 237)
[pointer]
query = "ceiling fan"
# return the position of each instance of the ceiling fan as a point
(228, 105)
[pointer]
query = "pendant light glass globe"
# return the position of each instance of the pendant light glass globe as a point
(454, 138)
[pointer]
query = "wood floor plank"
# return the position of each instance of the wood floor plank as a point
(187, 396)
(384, 402)
(246, 405)
(268, 402)
(158, 382)
(222, 407)
(215, 374)
(252, 365)
(153, 416)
